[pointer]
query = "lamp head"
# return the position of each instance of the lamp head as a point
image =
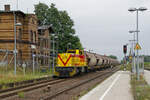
(18, 24)
(142, 9)
(56, 37)
(132, 9)
(69, 43)
(130, 31)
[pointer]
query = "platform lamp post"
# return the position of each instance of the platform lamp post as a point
(134, 43)
(68, 46)
(137, 31)
(54, 37)
(90, 50)
(15, 42)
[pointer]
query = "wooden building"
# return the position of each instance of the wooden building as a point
(27, 36)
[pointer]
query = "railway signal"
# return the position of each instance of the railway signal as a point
(124, 49)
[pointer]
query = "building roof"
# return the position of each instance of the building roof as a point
(16, 11)
(44, 27)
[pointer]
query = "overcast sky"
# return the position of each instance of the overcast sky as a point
(102, 25)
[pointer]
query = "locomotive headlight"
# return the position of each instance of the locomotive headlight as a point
(57, 69)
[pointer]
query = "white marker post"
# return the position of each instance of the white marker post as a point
(33, 64)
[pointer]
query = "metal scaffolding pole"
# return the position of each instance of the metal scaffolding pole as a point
(15, 50)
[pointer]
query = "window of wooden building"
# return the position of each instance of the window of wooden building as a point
(34, 37)
(31, 36)
(20, 34)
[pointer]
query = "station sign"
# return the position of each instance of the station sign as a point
(130, 57)
(137, 47)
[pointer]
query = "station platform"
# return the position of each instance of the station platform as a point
(147, 76)
(116, 87)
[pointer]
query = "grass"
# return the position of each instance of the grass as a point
(140, 89)
(7, 75)
(147, 65)
(128, 67)
(4, 87)
(21, 95)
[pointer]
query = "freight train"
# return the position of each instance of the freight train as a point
(77, 61)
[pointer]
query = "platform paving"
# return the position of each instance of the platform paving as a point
(116, 87)
(147, 76)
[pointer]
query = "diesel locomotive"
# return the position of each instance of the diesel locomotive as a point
(77, 61)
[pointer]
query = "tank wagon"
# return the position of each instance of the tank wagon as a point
(76, 61)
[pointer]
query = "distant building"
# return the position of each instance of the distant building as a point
(29, 41)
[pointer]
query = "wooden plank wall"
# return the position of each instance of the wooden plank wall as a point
(29, 23)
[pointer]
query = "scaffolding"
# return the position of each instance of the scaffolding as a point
(4, 57)
(36, 64)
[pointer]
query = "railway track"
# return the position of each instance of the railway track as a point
(31, 86)
(21, 83)
(147, 69)
(102, 77)
(58, 86)
(14, 91)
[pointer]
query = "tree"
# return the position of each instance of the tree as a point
(113, 57)
(61, 24)
(74, 40)
(40, 10)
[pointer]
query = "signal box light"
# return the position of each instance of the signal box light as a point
(125, 49)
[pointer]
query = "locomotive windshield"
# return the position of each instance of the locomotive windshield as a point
(71, 51)
(78, 52)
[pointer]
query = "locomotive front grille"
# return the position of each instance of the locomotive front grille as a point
(63, 69)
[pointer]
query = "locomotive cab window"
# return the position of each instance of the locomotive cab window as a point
(71, 51)
(81, 52)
